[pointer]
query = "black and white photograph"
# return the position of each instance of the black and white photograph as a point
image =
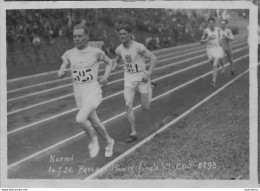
(129, 91)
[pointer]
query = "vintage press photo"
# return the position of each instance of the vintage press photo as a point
(129, 91)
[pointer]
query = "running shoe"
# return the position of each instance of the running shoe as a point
(131, 138)
(212, 84)
(109, 149)
(153, 84)
(93, 147)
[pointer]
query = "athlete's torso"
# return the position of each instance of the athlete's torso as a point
(84, 63)
(223, 33)
(132, 57)
(214, 37)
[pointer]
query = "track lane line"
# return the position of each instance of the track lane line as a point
(108, 97)
(70, 84)
(118, 115)
(55, 71)
(101, 170)
(101, 70)
(75, 109)
(67, 78)
(109, 83)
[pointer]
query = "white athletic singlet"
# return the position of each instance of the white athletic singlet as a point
(132, 57)
(84, 63)
(84, 70)
(214, 37)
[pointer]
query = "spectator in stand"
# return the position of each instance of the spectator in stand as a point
(50, 24)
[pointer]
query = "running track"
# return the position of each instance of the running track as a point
(41, 113)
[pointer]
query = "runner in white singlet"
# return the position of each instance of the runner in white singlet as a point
(84, 63)
(215, 52)
(227, 36)
(136, 77)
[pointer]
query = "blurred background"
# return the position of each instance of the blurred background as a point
(37, 38)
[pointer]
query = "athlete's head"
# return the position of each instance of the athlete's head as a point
(223, 23)
(124, 31)
(211, 23)
(80, 36)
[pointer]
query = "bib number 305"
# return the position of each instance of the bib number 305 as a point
(82, 75)
(132, 68)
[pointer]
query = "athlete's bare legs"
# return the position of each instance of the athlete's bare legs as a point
(82, 118)
(214, 71)
(88, 119)
(230, 60)
(129, 94)
(146, 97)
(100, 128)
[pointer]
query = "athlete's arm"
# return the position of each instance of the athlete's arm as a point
(109, 64)
(229, 35)
(116, 62)
(153, 61)
(204, 37)
(62, 71)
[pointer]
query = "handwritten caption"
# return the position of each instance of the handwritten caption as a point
(60, 165)
(152, 167)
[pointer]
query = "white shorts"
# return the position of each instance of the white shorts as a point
(215, 52)
(135, 81)
(86, 93)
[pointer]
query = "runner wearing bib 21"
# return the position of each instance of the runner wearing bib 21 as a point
(136, 78)
(84, 63)
(215, 52)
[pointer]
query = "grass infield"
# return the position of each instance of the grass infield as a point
(212, 142)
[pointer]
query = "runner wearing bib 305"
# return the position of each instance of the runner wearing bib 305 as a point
(215, 52)
(84, 62)
(132, 54)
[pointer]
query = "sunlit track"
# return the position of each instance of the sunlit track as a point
(112, 82)
(105, 98)
(176, 54)
(138, 106)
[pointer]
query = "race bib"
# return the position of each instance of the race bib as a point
(132, 68)
(82, 75)
(212, 42)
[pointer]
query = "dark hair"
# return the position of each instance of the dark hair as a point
(211, 19)
(126, 27)
(81, 26)
(225, 20)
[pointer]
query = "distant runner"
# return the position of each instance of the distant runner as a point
(215, 52)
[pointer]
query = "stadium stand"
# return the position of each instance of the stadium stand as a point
(37, 38)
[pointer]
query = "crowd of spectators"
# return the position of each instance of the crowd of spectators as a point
(153, 27)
